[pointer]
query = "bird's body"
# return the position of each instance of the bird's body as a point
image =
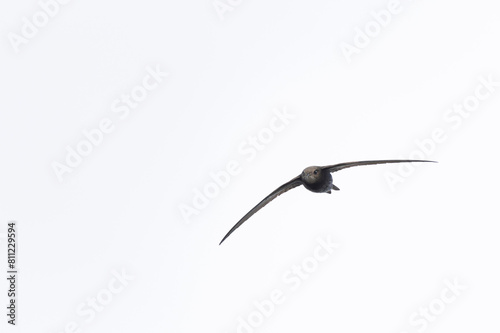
(314, 178)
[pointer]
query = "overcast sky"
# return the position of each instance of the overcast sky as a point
(134, 135)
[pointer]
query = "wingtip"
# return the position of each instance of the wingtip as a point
(223, 239)
(418, 161)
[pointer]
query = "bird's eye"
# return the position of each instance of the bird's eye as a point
(315, 172)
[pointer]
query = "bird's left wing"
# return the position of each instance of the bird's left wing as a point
(340, 166)
(280, 190)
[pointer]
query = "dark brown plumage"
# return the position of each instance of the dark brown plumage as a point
(314, 178)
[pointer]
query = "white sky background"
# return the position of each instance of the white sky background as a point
(118, 210)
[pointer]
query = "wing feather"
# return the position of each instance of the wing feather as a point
(280, 190)
(340, 166)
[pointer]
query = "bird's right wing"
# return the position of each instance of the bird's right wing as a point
(280, 190)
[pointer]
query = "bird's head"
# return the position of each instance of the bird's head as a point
(312, 174)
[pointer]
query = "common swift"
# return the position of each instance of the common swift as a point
(314, 178)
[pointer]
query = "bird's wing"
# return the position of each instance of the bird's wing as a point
(280, 190)
(340, 166)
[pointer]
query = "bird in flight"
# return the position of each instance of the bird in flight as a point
(314, 178)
